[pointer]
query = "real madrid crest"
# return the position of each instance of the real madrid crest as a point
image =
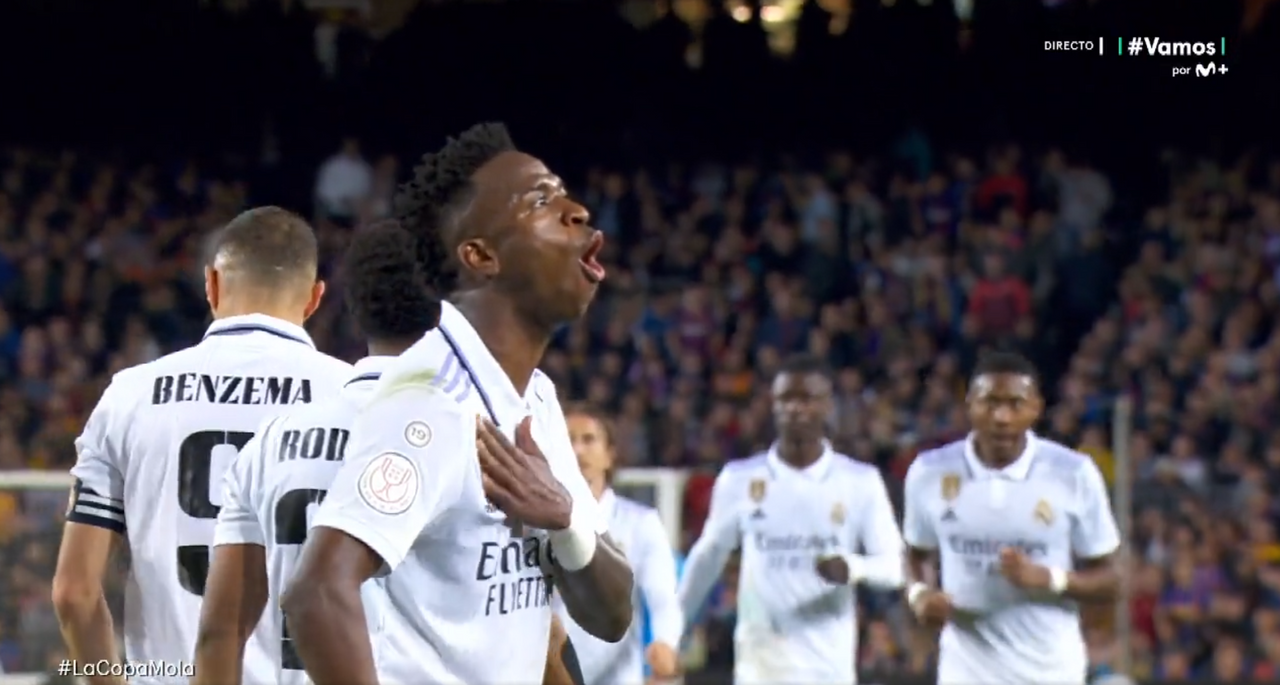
(1043, 513)
(837, 514)
(757, 490)
(950, 486)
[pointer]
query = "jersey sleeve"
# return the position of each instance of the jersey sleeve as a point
(656, 577)
(238, 522)
(723, 527)
(917, 525)
(878, 528)
(411, 451)
(97, 497)
(1093, 527)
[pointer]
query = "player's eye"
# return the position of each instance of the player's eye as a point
(542, 200)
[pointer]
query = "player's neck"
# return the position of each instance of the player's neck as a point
(516, 343)
(230, 308)
(991, 460)
(800, 453)
(383, 348)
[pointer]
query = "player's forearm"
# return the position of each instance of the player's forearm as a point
(920, 568)
(327, 624)
(1097, 584)
(598, 595)
(218, 659)
(87, 629)
(702, 568)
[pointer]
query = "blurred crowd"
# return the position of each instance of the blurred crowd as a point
(899, 272)
(1122, 272)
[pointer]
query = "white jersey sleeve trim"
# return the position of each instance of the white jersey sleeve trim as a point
(390, 489)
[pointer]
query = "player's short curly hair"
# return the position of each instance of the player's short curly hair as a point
(440, 185)
(805, 364)
(386, 288)
(1005, 362)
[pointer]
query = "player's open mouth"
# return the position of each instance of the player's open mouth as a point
(593, 270)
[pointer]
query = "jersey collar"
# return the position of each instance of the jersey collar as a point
(815, 471)
(245, 324)
(370, 368)
(496, 390)
(1018, 470)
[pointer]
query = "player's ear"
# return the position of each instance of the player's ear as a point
(211, 287)
(313, 299)
(479, 257)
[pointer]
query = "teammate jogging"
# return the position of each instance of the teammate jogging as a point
(152, 455)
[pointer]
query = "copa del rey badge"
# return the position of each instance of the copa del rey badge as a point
(389, 483)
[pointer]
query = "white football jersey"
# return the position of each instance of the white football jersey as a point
(794, 626)
(411, 490)
(272, 491)
(153, 453)
(1052, 504)
(638, 530)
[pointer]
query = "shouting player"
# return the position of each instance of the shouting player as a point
(286, 469)
(639, 532)
(1021, 527)
(801, 513)
(153, 452)
(460, 477)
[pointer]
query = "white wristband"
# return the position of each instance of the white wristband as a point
(914, 593)
(574, 546)
(854, 562)
(1058, 580)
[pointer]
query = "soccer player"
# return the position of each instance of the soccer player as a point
(460, 484)
(801, 512)
(639, 532)
(153, 452)
(284, 472)
(1022, 529)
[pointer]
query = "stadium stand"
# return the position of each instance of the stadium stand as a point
(1004, 211)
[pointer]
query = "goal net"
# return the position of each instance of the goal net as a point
(32, 509)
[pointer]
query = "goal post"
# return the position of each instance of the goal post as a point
(661, 488)
(32, 504)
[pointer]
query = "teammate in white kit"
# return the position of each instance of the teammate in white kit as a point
(473, 525)
(1022, 529)
(638, 530)
(811, 524)
(283, 473)
(152, 455)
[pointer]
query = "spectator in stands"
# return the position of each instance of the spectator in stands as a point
(344, 182)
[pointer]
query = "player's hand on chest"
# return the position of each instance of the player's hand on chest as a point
(518, 479)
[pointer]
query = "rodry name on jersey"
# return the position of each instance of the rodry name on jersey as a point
(314, 443)
(499, 562)
(200, 387)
